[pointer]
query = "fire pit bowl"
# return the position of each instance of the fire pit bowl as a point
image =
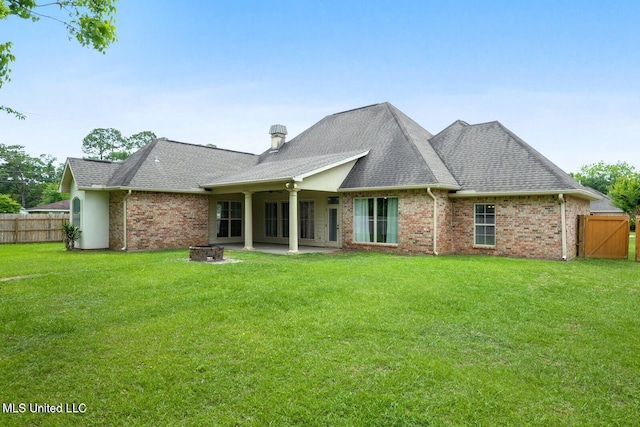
(207, 253)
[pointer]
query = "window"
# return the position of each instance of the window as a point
(376, 220)
(306, 220)
(285, 219)
(75, 213)
(229, 215)
(271, 219)
(485, 224)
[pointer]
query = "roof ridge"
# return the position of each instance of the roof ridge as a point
(204, 146)
(359, 108)
(126, 179)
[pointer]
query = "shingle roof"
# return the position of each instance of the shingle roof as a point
(285, 169)
(489, 158)
(604, 205)
(399, 151)
(163, 165)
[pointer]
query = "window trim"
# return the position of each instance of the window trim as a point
(484, 224)
(76, 216)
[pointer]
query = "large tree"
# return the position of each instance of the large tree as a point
(109, 144)
(24, 177)
(90, 22)
(601, 175)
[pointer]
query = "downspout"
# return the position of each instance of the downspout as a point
(563, 221)
(124, 220)
(435, 221)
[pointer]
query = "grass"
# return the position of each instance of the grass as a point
(351, 339)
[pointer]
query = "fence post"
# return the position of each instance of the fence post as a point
(637, 240)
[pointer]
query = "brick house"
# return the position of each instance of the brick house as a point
(369, 178)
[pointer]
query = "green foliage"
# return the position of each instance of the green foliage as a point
(50, 194)
(71, 235)
(109, 144)
(25, 177)
(601, 175)
(625, 194)
(349, 339)
(90, 22)
(8, 205)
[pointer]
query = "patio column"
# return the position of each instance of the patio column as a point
(293, 218)
(248, 221)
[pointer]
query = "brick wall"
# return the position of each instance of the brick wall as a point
(526, 226)
(159, 220)
(415, 222)
(574, 208)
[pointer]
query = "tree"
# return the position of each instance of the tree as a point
(8, 205)
(23, 176)
(90, 22)
(50, 194)
(625, 194)
(601, 175)
(109, 144)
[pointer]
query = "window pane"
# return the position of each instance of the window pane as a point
(306, 226)
(361, 220)
(285, 219)
(236, 228)
(223, 228)
(236, 210)
(223, 209)
(271, 219)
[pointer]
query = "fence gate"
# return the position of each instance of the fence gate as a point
(603, 236)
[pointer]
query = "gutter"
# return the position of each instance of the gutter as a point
(435, 221)
(563, 220)
(124, 220)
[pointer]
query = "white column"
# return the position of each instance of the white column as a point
(248, 221)
(293, 220)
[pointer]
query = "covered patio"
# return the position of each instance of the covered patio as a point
(279, 249)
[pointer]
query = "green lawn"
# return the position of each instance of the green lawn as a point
(351, 339)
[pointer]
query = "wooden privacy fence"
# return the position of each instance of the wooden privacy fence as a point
(603, 236)
(637, 240)
(32, 228)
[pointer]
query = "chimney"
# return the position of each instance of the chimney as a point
(278, 133)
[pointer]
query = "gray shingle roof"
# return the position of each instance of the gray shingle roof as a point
(284, 169)
(163, 165)
(489, 158)
(604, 205)
(399, 151)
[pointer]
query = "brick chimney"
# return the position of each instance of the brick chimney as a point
(278, 134)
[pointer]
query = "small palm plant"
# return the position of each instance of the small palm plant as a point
(71, 235)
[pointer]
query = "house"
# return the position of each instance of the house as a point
(52, 208)
(369, 178)
(604, 206)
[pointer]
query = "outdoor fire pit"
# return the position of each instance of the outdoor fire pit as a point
(208, 253)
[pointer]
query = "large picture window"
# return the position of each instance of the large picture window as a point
(485, 224)
(307, 216)
(271, 219)
(229, 215)
(376, 220)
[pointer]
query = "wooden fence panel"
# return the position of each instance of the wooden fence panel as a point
(603, 236)
(637, 240)
(32, 228)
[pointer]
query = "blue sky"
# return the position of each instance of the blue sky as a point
(564, 76)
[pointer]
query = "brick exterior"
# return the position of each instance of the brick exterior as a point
(526, 226)
(159, 220)
(415, 222)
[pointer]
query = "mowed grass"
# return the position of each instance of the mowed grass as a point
(349, 339)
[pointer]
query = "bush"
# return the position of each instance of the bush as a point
(71, 235)
(8, 205)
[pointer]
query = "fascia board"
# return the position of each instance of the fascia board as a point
(579, 193)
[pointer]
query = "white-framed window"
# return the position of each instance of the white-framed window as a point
(285, 219)
(271, 219)
(484, 224)
(307, 219)
(229, 216)
(376, 220)
(75, 212)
